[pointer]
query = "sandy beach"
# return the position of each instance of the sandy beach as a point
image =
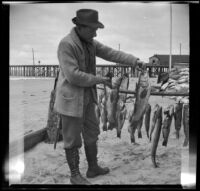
(129, 164)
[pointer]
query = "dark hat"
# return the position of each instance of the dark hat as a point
(87, 17)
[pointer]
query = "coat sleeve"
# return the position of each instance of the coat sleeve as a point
(70, 68)
(112, 55)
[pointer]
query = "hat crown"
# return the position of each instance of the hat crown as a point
(87, 15)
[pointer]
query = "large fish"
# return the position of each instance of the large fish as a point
(121, 107)
(112, 97)
(143, 90)
(103, 111)
(112, 104)
(178, 117)
(102, 104)
(154, 118)
(186, 123)
(168, 114)
(156, 135)
(147, 119)
(116, 108)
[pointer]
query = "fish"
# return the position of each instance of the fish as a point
(121, 117)
(111, 103)
(154, 118)
(143, 90)
(131, 127)
(183, 80)
(164, 86)
(139, 127)
(156, 136)
(168, 115)
(178, 117)
(184, 69)
(121, 107)
(147, 118)
(175, 76)
(186, 123)
(115, 104)
(102, 99)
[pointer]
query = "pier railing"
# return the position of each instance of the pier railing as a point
(51, 70)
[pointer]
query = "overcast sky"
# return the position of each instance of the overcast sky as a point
(142, 29)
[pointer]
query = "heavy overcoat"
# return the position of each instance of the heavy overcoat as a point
(72, 76)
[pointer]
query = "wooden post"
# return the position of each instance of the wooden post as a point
(170, 55)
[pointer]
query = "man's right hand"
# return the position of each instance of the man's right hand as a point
(106, 81)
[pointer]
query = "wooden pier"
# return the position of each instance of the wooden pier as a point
(51, 70)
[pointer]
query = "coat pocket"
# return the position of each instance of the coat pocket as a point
(68, 92)
(68, 97)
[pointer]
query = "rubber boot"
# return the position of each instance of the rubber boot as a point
(72, 156)
(93, 168)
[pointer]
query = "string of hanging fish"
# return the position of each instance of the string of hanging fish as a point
(112, 109)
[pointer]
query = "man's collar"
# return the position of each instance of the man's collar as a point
(81, 38)
(76, 38)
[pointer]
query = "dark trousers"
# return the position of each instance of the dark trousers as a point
(87, 126)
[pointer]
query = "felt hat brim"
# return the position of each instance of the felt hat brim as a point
(93, 25)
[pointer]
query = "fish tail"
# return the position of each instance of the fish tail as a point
(139, 134)
(147, 134)
(164, 143)
(119, 135)
(154, 161)
(104, 127)
(177, 134)
(132, 139)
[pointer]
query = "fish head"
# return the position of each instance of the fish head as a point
(112, 99)
(124, 82)
(143, 79)
(116, 82)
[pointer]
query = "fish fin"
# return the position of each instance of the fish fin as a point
(139, 134)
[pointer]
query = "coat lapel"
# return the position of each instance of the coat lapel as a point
(76, 39)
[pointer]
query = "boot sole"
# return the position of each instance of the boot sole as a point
(95, 175)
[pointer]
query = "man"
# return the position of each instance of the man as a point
(76, 94)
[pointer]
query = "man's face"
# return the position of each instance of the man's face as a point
(88, 33)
